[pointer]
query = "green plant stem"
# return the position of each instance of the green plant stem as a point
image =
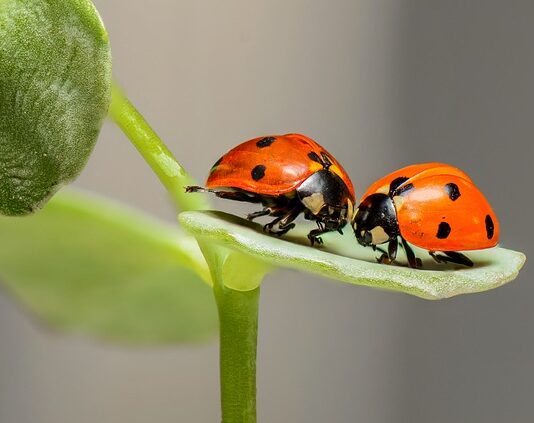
(238, 310)
(238, 319)
(155, 152)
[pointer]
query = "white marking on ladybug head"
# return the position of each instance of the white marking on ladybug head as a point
(314, 202)
(379, 235)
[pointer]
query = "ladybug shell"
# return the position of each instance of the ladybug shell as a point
(383, 185)
(272, 165)
(440, 209)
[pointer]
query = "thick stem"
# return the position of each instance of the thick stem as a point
(155, 152)
(238, 315)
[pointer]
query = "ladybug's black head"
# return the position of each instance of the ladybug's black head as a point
(375, 221)
(327, 199)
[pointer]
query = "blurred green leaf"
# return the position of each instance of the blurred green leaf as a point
(344, 259)
(86, 265)
(55, 85)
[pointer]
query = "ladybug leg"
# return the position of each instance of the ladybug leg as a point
(260, 213)
(269, 226)
(308, 215)
(194, 188)
(383, 259)
(284, 222)
(314, 237)
(437, 257)
(413, 261)
(247, 197)
(451, 257)
(393, 245)
(455, 257)
(389, 256)
(380, 250)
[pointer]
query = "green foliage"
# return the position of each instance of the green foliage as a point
(55, 84)
(345, 260)
(88, 266)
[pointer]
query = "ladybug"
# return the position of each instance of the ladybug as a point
(434, 206)
(288, 175)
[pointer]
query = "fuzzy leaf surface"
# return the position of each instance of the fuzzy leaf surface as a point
(55, 87)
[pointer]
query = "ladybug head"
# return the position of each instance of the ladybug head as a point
(327, 198)
(375, 221)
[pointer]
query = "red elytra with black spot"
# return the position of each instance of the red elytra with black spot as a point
(282, 161)
(289, 175)
(434, 206)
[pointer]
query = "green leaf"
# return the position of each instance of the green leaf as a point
(55, 87)
(92, 267)
(344, 259)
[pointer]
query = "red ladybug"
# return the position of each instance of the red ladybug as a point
(434, 206)
(288, 174)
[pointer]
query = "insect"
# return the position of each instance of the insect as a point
(434, 206)
(289, 175)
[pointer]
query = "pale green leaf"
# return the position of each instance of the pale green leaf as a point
(55, 85)
(88, 266)
(342, 258)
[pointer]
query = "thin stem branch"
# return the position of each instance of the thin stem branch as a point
(238, 316)
(155, 152)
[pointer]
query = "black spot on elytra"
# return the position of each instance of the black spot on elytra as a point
(395, 187)
(404, 189)
(315, 157)
(452, 191)
(444, 229)
(265, 142)
(489, 226)
(324, 159)
(327, 161)
(217, 163)
(395, 183)
(258, 172)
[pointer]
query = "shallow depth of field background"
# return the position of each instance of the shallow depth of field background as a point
(381, 84)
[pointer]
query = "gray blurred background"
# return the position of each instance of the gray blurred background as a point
(380, 83)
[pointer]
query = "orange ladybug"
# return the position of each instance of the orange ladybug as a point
(289, 175)
(434, 206)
